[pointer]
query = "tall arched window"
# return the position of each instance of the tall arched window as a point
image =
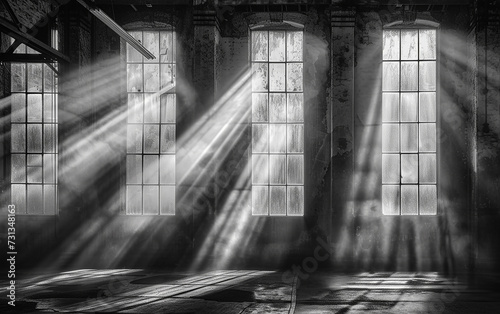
(277, 122)
(409, 117)
(150, 179)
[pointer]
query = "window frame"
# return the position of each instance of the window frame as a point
(421, 25)
(53, 161)
(279, 27)
(159, 124)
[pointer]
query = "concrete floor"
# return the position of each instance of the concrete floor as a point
(245, 291)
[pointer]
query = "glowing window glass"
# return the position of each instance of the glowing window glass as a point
(277, 123)
(409, 149)
(34, 128)
(151, 127)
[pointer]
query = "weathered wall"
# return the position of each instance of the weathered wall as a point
(488, 146)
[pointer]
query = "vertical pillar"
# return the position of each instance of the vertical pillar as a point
(75, 114)
(206, 41)
(342, 86)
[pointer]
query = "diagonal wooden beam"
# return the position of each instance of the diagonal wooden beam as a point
(8, 28)
(98, 13)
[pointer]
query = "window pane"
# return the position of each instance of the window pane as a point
(295, 169)
(427, 168)
(49, 138)
(151, 77)
(259, 77)
(259, 107)
(409, 76)
(18, 78)
(278, 200)
(428, 200)
(134, 77)
(390, 199)
(18, 138)
(260, 138)
(49, 108)
(409, 107)
(34, 174)
(48, 80)
(427, 44)
(409, 200)
(276, 46)
(295, 138)
(152, 43)
(49, 199)
(294, 42)
(390, 138)
(132, 54)
(167, 169)
(260, 200)
(34, 138)
(427, 142)
(18, 110)
(409, 44)
(390, 107)
(295, 107)
(409, 168)
(151, 138)
(294, 77)
(427, 76)
(151, 199)
(151, 108)
(409, 137)
(390, 168)
(167, 77)
(34, 107)
(390, 81)
(134, 138)
(277, 107)
(134, 169)
(391, 45)
(35, 77)
(166, 47)
(295, 200)
(259, 46)
(49, 168)
(18, 197)
(134, 199)
(135, 108)
(427, 107)
(18, 168)
(277, 138)
(34, 160)
(167, 200)
(277, 169)
(35, 199)
(260, 169)
(168, 112)
(277, 77)
(150, 170)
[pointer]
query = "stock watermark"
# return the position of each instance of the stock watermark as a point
(11, 254)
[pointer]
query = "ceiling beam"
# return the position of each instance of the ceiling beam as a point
(10, 29)
(24, 57)
(98, 13)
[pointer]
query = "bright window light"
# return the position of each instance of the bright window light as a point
(150, 180)
(409, 107)
(277, 123)
(34, 132)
